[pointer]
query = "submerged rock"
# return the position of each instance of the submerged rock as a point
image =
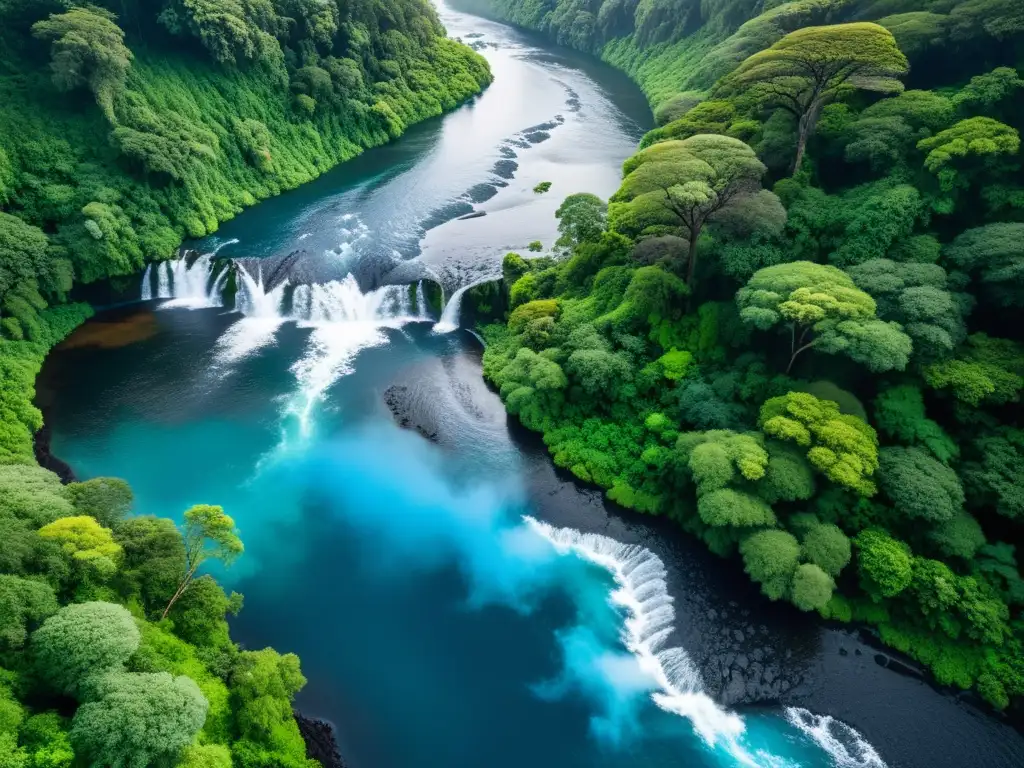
(400, 402)
(321, 743)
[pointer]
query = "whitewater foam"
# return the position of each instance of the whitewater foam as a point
(189, 286)
(345, 321)
(453, 309)
(846, 747)
(642, 592)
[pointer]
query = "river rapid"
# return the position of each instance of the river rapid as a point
(455, 601)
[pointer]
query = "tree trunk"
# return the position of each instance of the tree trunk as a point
(179, 591)
(801, 144)
(794, 356)
(805, 127)
(691, 258)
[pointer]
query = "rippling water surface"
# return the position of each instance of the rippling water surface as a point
(455, 603)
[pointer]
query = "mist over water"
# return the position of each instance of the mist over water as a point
(445, 614)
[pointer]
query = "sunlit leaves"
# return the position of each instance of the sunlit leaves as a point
(986, 370)
(883, 563)
(810, 67)
(970, 145)
(842, 447)
(824, 309)
(87, 542)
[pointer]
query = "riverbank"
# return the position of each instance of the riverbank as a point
(753, 654)
(396, 567)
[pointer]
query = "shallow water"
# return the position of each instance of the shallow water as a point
(455, 602)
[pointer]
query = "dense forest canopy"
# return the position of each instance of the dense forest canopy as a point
(795, 329)
(126, 127)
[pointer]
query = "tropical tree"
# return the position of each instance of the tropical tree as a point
(108, 499)
(683, 185)
(88, 543)
(813, 66)
(823, 544)
(828, 310)
(992, 478)
(138, 719)
(87, 48)
(917, 296)
(884, 564)
(900, 414)
(920, 487)
(968, 148)
(23, 602)
(842, 447)
(994, 254)
(770, 557)
(209, 534)
(986, 370)
(264, 684)
(83, 640)
(811, 588)
(581, 219)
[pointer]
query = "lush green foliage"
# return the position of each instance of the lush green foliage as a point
(87, 640)
(831, 391)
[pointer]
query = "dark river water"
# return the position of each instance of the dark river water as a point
(455, 601)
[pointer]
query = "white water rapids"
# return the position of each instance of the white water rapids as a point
(641, 591)
(343, 320)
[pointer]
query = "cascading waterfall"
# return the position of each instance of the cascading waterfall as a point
(640, 576)
(147, 284)
(344, 321)
(163, 289)
(253, 300)
(453, 309)
(187, 286)
(421, 301)
(643, 593)
(262, 316)
(342, 301)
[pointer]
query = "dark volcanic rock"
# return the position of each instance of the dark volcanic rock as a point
(320, 741)
(398, 399)
(41, 446)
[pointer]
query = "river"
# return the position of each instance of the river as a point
(455, 601)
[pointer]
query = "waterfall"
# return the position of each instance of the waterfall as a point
(163, 290)
(189, 286)
(345, 321)
(147, 283)
(452, 311)
(253, 299)
(642, 592)
(341, 301)
(421, 301)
